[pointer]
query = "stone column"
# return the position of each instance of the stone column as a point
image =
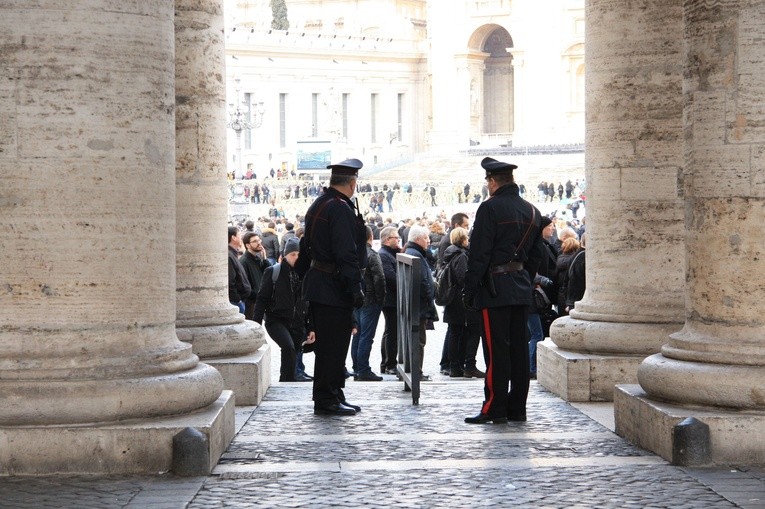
(444, 137)
(716, 363)
(205, 318)
(634, 160)
(87, 222)
(519, 137)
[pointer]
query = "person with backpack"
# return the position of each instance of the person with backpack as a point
(280, 299)
(464, 324)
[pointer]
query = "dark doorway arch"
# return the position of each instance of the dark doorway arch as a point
(498, 81)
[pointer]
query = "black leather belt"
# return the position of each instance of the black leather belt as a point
(506, 267)
(324, 267)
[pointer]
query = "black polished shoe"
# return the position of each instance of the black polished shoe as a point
(456, 373)
(368, 377)
(355, 407)
(484, 419)
(445, 371)
(390, 371)
(334, 409)
(516, 417)
(474, 373)
(303, 378)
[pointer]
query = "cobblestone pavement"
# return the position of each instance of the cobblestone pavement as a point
(397, 455)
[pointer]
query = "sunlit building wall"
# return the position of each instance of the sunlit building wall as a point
(388, 80)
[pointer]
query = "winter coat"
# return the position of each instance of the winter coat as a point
(561, 278)
(289, 234)
(427, 291)
(282, 301)
(374, 279)
(455, 311)
(253, 266)
(388, 261)
(238, 284)
(270, 242)
(576, 279)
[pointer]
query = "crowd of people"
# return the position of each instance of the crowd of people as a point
(321, 282)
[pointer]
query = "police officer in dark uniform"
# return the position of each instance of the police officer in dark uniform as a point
(505, 252)
(332, 254)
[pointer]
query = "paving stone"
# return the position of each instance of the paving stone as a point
(397, 455)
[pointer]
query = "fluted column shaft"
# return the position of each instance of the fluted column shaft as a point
(634, 160)
(205, 317)
(719, 357)
(87, 218)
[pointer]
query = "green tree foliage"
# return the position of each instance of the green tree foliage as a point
(279, 21)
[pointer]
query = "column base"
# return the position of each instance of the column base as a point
(249, 376)
(134, 447)
(575, 376)
(735, 435)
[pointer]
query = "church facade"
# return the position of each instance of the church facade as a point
(388, 80)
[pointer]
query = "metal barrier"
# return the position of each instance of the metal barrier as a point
(408, 305)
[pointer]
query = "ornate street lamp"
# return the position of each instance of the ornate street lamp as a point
(239, 121)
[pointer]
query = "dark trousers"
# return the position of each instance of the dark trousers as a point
(249, 309)
(389, 343)
(281, 335)
(506, 337)
(332, 326)
(445, 349)
(463, 345)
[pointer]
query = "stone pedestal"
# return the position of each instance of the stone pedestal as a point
(716, 363)
(142, 446)
(216, 330)
(735, 435)
(87, 221)
(633, 160)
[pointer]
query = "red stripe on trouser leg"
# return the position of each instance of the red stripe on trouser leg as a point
(489, 382)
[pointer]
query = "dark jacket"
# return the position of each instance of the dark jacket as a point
(270, 242)
(561, 277)
(289, 234)
(455, 311)
(576, 279)
(444, 243)
(253, 266)
(501, 223)
(427, 292)
(238, 284)
(547, 268)
(334, 236)
(374, 279)
(388, 260)
(283, 301)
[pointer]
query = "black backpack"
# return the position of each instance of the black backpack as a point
(445, 289)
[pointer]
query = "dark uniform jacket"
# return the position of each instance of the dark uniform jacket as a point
(500, 225)
(388, 260)
(336, 238)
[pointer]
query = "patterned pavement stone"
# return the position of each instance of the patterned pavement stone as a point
(397, 455)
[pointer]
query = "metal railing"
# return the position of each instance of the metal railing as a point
(408, 307)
